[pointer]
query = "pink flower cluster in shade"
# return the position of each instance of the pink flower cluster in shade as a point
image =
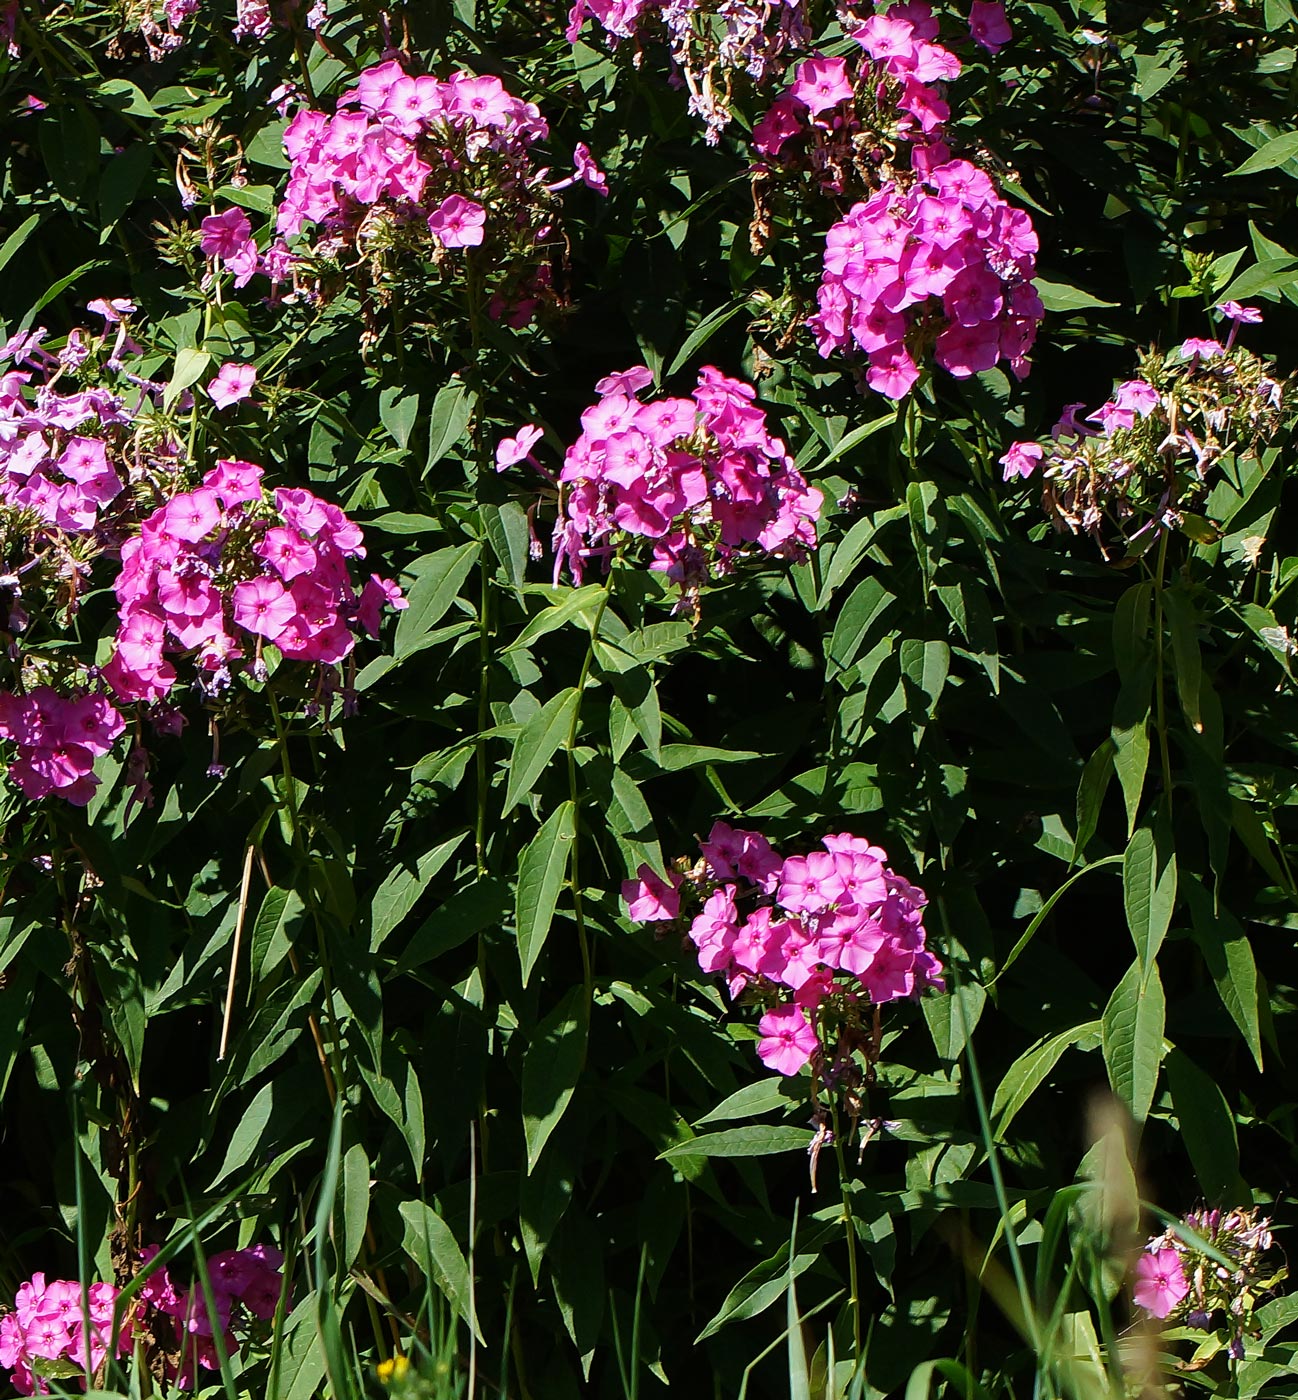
(710, 43)
(242, 1281)
(893, 91)
(58, 738)
(48, 1323)
(836, 920)
(701, 477)
(946, 264)
(218, 571)
(55, 444)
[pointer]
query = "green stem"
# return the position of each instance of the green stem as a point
(575, 795)
(1160, 699)
(299, 849)
(849, 1229)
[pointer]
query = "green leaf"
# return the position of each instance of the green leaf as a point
(1090, 795)
(1039, 918)
(538, 742)
(190, 367)
(1148, 893)
(401, 888)
(120, 183)
(541, 874)
(867, 605)
(759, 1140)
(702, 333)
(766, 1284)
(356, 1202)
(1269, 275)
(17, 238)
(462, 917)
(1131, 763)
(1132, 1029)
(1026, 1075)
(551, 1066)
(1229, 956)
(437, 579)
(575, 605)
(1058, 296)
(1131, 620)
(429, 1242)
(1185, 654)
(398, 412)
(1280, 150)
(505, 527)
(753, 1100)
(452, 409)
(1207, 1127)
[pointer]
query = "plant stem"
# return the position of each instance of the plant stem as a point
(1160, 700)
(575, 796)
(849, 1229)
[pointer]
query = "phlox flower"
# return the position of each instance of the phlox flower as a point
(1160, 1282)
(788, 1040)
(232, 384)
(1022, 459)
(515, 449)
(1233, 311)
(225, 234)
(587, 170)
(650, 898)
(821, 83)
(988, 25)
(458, 222)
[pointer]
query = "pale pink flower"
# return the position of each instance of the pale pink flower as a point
(232, 384)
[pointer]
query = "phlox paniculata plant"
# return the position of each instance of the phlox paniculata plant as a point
(819, 941)
(1151, 459)
(92, 491)
(695, 483)
(1211, 1273)
(415, 178)
(53, 1332)
(929, 261)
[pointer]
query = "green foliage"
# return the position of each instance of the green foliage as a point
(493, 1122)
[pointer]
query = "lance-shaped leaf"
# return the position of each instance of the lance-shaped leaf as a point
(541, 875)
(1132, 1027)
(550, 1070)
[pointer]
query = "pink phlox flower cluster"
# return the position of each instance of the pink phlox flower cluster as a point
(799, 929)
(55, 446)
(700, 477)
(1145, 454)
(709, 43)
(451, 162)
(225, 568)
(244, 1282)
(58, 738)
(892, 94)
(1176, 1279)
(48, 1324)
(946, 262)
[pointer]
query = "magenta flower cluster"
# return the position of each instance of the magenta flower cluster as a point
(245, 1283)
(834, 924)
(1146, 463)
(214, 573)
(45, 1335)
(946, 264)
(893, 93)
(702, 478)
(438, 165)
(219, 571)
(1175, 1278)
